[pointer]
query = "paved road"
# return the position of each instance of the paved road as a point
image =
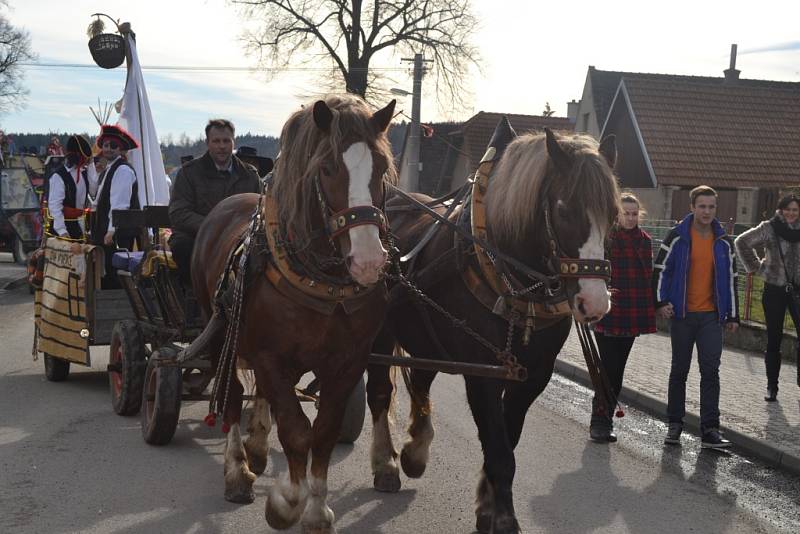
(10, 271)
(68, 464)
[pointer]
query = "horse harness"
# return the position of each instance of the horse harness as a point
(492, 277)
(293, 275)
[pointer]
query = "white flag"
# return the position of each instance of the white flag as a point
(136, 118)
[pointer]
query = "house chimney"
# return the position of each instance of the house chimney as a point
(572, 110)
(731, 74)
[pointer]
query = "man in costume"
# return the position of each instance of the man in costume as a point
(203, 183)
(68, 189)
(118, 190)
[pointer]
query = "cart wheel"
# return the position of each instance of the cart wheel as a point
(161, 399)
(353, 420)
(126, 363)
(55, 369)
(18, 251)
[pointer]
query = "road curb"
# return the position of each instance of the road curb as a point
(15, 284)
(759, 448)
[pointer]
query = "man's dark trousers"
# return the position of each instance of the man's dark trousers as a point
(182, 246)
(705, 330)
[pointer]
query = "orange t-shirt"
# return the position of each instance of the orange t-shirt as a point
(700, 284)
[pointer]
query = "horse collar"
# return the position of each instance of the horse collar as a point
(320, 295)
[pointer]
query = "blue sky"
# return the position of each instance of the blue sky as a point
(534, 52)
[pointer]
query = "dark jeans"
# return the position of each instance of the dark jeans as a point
(182, 247)
(614, 353)
(704, 330)
(776, 301)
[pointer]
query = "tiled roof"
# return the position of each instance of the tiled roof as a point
(726, 135)
(478, 130)
(605, 83)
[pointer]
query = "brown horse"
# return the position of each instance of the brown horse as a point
(548, 204)
(315, 304)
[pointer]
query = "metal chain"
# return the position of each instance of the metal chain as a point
(519, 292)
(504, 356)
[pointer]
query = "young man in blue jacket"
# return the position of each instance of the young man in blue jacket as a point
(694, 281)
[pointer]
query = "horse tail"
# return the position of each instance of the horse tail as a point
(422, 404)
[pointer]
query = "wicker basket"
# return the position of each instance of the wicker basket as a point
(108, 50)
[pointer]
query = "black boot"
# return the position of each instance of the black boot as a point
(601, 426)
(772, 361)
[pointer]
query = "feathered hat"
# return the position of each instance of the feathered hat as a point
(112, 131)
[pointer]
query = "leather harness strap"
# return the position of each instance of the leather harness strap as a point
(488, 287)
(320, 296)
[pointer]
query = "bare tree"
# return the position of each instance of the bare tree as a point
(15, 48)
(348, 34)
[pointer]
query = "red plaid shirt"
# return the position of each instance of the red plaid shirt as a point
(632, 312)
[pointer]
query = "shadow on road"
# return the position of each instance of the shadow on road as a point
(593, 497)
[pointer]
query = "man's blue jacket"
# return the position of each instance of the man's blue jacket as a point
(671, 271)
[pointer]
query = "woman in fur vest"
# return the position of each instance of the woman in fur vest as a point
(780, 267)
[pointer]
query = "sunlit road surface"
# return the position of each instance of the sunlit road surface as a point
(69, 464)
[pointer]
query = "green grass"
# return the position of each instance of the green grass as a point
(756, 311)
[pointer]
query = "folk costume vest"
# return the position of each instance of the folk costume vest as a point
(102, 215)
(72, 213)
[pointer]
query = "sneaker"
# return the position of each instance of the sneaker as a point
(712, 439)
(674, 431)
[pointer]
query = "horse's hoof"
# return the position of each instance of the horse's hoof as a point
(256, 464)
(506, 525)
(317, 528)
(387, 482)
(240, 497)
(483, 523)
(280, 513)
(411, 468)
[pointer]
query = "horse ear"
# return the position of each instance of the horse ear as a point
(323, 116)
(560, 158)
(383, 117)
(608, 148)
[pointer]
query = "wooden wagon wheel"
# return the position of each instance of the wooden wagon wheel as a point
(126, 366)
(161, 399)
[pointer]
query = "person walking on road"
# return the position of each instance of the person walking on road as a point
(695, 287)
(780, 267)
(632, 312)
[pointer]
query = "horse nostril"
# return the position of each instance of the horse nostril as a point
(348, 261)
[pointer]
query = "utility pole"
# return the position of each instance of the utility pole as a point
(413, 135)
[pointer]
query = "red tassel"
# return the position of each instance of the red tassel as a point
(225, 428)
(211, 419)
(620, 413)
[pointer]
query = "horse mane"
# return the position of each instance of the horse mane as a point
(518, 183)
(303, 150)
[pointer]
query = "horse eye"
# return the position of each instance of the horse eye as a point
(562, 210)
(326, 170)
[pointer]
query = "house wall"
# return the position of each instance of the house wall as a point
(585, 117)
(747, 206)
(653, 200)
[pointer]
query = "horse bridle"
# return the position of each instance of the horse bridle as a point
(336, 223)
(567, 267)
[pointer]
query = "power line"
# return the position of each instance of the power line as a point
(198, 68)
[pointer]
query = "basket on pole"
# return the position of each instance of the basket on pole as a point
(107, 49)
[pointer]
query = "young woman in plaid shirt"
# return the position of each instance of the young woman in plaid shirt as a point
(632, 313)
